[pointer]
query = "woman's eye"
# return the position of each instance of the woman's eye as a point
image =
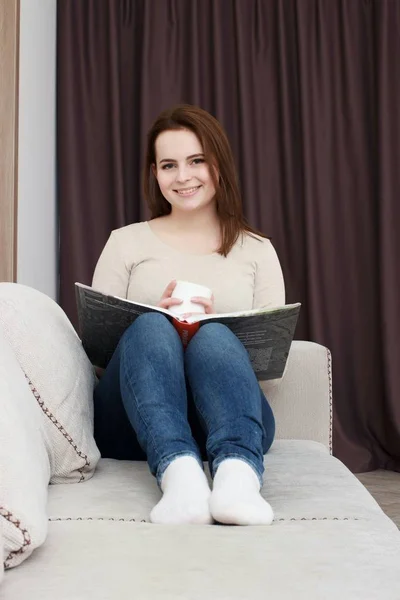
(169, 166)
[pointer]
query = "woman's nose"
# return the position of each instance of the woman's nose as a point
(183, 174)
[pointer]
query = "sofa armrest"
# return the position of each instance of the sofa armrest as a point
(302, 399)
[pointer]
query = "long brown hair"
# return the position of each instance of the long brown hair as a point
(217, 151)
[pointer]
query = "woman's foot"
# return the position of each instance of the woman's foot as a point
(236, 498)
(186, 495)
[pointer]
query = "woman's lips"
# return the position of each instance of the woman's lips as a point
(188, 191)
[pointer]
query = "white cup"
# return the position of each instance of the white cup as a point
(184, 290)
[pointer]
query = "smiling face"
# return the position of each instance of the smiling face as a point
(182, 172)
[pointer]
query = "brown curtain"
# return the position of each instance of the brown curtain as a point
(309, 93)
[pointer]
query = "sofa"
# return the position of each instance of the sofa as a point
(75, 526)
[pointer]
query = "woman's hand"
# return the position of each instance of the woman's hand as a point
(166, 300)
(208, 304)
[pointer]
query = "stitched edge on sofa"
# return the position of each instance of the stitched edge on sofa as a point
(329, 357)
(98, 519)
(53, 519)
(26, 538)
(60, 428)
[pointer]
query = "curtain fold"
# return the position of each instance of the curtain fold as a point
(308, 92)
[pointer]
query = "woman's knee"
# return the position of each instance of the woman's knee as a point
(216, 341)
(150, 330)
(147, 323)
(214, 333)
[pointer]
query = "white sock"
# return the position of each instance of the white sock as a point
(236, 498)
(186, 494)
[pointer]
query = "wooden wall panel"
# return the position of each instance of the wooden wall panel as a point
(9, 54)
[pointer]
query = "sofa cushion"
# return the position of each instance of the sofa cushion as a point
(106, 560)
(24, 463)
(329, 540)
(59, 374)
(301, 481)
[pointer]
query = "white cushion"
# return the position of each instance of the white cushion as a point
(24, 463)
(59, 374)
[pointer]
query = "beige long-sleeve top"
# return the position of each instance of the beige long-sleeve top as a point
(136, 264)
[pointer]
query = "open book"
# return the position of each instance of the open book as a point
(265, 333)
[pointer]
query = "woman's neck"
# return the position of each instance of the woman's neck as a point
(201, 222)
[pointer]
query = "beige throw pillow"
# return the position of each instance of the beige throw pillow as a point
(24, 463)
(59, 374)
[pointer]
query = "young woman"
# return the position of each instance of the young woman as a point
(172, 407)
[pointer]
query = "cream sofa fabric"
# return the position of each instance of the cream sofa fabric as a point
(302, 400)
(293, 472)
(24, 463)
(329, 541)
(59, 375)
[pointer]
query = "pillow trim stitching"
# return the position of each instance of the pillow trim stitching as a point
(9, 516)
(330, 401)
(60, 427)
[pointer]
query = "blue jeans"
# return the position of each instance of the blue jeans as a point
(158, 402)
